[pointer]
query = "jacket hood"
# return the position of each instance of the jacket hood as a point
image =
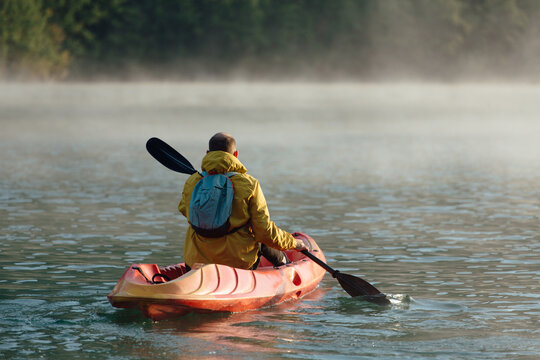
(221, 162)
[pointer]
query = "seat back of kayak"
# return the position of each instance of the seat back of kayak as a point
(173, 271)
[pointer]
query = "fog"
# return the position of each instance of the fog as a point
(386, 130)
(82, 110)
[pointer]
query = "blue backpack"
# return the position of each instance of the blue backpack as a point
(211, 205)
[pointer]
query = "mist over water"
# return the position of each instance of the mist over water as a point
(427, 191)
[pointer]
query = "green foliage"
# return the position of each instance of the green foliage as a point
(83, 21)
(433, 38)
(28, 45)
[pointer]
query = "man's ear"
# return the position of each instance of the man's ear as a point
(236, 153)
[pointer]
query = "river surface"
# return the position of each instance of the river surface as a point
(429, 192)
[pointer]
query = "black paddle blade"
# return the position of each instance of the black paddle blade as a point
(168, 157)
(353, 285)
(356, 287)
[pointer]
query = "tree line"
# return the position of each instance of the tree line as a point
(335, 39)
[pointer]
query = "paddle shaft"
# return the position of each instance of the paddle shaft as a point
(319, 262)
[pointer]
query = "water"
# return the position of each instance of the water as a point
(427, 191)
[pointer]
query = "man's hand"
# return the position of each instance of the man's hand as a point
(300, 245)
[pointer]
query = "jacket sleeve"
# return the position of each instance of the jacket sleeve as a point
(266, 231)
(186, 193)
(183, 206)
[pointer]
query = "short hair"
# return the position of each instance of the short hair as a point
(222, 142)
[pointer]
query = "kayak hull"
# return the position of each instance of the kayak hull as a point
(214, 287)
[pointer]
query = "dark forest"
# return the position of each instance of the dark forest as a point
(269, 39)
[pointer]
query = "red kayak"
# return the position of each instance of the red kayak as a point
(163, 292)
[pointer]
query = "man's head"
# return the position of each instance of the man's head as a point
(223, 142)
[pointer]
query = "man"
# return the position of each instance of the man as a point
(252, 234)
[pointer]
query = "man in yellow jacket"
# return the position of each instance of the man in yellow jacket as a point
(252, 232)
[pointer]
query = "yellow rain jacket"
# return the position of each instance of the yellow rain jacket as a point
(249, 213)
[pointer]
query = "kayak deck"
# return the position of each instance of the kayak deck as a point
(162, 292)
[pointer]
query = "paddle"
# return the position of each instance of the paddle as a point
(169, 157)
(353, 285)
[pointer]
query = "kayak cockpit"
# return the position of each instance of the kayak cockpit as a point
(152, 274)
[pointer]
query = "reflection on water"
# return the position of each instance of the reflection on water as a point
(428, 192)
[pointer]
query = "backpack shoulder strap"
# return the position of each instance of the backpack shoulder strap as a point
(229, 174)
